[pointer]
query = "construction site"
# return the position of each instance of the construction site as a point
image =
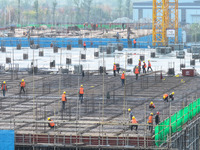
(41, 63)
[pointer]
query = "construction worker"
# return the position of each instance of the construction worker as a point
(81, 92)
(22, 85)
(139, 65)
(149, 66)
(150, 122)
(144, 66)
(114, 69)
(4, 88)
(157, 118)
(165, 97)
(137, 72)
(51, 124)
(84, 45)
(130, 113)
(171, 96)
(96, 26)
(123, 78)
(134, 43)
(151, 105)
(64, 99)
(134, 121)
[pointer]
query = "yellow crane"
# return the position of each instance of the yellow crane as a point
(165, 20)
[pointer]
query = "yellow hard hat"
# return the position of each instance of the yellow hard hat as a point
(4, 82)
(136, 66)
(114, 63)
(22, 80)
(164, 97)
(49, 118)
(133, 117)
(123, 71)
(148, 60)
(139, 59)
(129, 109)
(64, 92)
(143, 61)
(172, 93)
(151, 103)
(81, 85)
(152, 114)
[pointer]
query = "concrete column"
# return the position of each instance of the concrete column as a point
(183, 16)
(140, 13)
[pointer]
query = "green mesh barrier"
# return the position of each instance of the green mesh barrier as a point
(162, 131)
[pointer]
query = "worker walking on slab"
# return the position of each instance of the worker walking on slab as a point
(134, 43)
(64, 99)
(123, 78)
(150, 122)
(149, 66)
(4, 88)
(81, 92)
(139, 65)
(157, 118)
(151, 105)
(165, 97)
(144, 66)
(22, 85)
(171, 96)
(84, 45)
(51, 124)
(130, 113)
(134, 121)
(136, 72)
(114, 69)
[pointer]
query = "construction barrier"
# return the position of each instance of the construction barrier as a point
(162, 131)
(7, 140)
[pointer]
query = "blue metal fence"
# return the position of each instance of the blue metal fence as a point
(7, 140)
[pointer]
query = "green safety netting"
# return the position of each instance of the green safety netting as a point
(162, 131)
(81, 26)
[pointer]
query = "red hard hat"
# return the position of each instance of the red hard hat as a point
(158, 113)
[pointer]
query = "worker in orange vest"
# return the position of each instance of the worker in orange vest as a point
(139, 64)
(51, 124)
(134, 121)
(123, 78)
(4, 88)
(151, 105)
(150, 122)
(81, 92)
(149, 66)
(165, 97)
(137, 72)
(84, 45)
(144, 66)
(64, 99)
(96, 26)
(22, 85)
(134, 43)
(114, 69)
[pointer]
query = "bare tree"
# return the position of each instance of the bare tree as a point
(36, 7)
(87, 7)
(77, 4)
(119, 9)
(19, 11)
(128, 8)
(54, 11)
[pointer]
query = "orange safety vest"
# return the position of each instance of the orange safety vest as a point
(52, 124)
(96, 25)
(136, 71)
(84, 44)
(150, 119)
(115, 67)
(166, 95)
(123, 76)
(149, 64)
(3, 86)
(152, 105)
(23, 84)
(145, 65)
(134, 121)
(81, 91)
(139, 63)
(134, 41)
(64, 97)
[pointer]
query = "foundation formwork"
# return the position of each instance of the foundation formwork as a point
(100, 121)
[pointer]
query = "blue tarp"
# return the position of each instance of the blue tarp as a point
(7, 140)
(142, 42)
